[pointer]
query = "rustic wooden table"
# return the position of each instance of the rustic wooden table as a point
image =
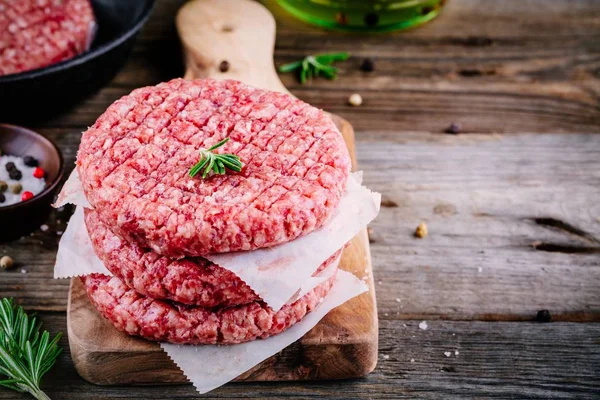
(512, 202)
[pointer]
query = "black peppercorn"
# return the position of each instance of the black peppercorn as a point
(367, 65)
(2, 198)
(15, 174)
(10, 166)
(371, 19)
(224, 66)
(30, 161)
(543, 316)
(453, 129)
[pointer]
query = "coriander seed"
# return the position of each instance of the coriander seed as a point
(421, 230)
(16, 188)
(355, 100)
(6, 262)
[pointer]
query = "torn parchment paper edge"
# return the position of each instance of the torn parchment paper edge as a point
(277, 273)
(76, 257)
(228, 362)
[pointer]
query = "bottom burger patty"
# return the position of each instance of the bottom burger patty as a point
(164, 321)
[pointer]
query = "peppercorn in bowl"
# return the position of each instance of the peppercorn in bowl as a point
(31, 167)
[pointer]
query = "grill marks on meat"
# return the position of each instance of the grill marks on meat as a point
(134, 160)
(38, 33)
(158, 320)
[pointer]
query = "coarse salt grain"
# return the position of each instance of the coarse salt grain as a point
(447, 353)
(23, 271)
(398, 300)
(423, 325)
(479, 269)
(386, 357)
(456, 352)
(44, 228)
(412, 360)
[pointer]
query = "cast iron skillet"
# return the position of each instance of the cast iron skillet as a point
(35, 94)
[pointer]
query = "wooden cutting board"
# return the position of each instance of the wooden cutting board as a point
(344, 343)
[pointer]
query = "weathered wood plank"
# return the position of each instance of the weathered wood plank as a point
(481, 197)
(495, 360)
(494, 66)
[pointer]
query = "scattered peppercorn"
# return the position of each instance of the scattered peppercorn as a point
(26, 195)
(453, 129)
(224, 66)
(2, 198)
(367, 65)
(30, 161)
(15, 174)
(371, 19)
(10, 166)
(6, 262)
(3, 186)
(421, 231)
(38, 173)
(543, 316)
(16, 188)
(355, 100)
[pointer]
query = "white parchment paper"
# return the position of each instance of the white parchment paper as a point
(209, 367)
(76, 257)
(277, 273)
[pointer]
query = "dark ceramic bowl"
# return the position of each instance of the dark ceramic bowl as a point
(39, 93)
(22, 218)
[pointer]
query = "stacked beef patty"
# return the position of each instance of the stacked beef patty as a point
(38, 33)
(151, 223)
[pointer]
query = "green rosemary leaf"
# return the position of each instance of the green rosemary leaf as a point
(25, 355)
(315, 65)
(208, 168)
(219, 144)
(331, 57)
(290, 67)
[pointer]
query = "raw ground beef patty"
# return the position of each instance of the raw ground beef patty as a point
(162, 321)
(192, 281)
(38, 33)
(134, 163)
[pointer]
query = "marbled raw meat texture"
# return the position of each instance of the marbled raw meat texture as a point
(39, 33)
(191, 281)
(163, 321)
(134, 163)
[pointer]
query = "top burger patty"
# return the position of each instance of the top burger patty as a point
(134, 163)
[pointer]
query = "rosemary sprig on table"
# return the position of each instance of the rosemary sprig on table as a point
(315, 65)
(216, 163)
(25, 355)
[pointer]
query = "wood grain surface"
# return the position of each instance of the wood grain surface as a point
(511, 195)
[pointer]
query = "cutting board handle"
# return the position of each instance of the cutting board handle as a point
(238, 32)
